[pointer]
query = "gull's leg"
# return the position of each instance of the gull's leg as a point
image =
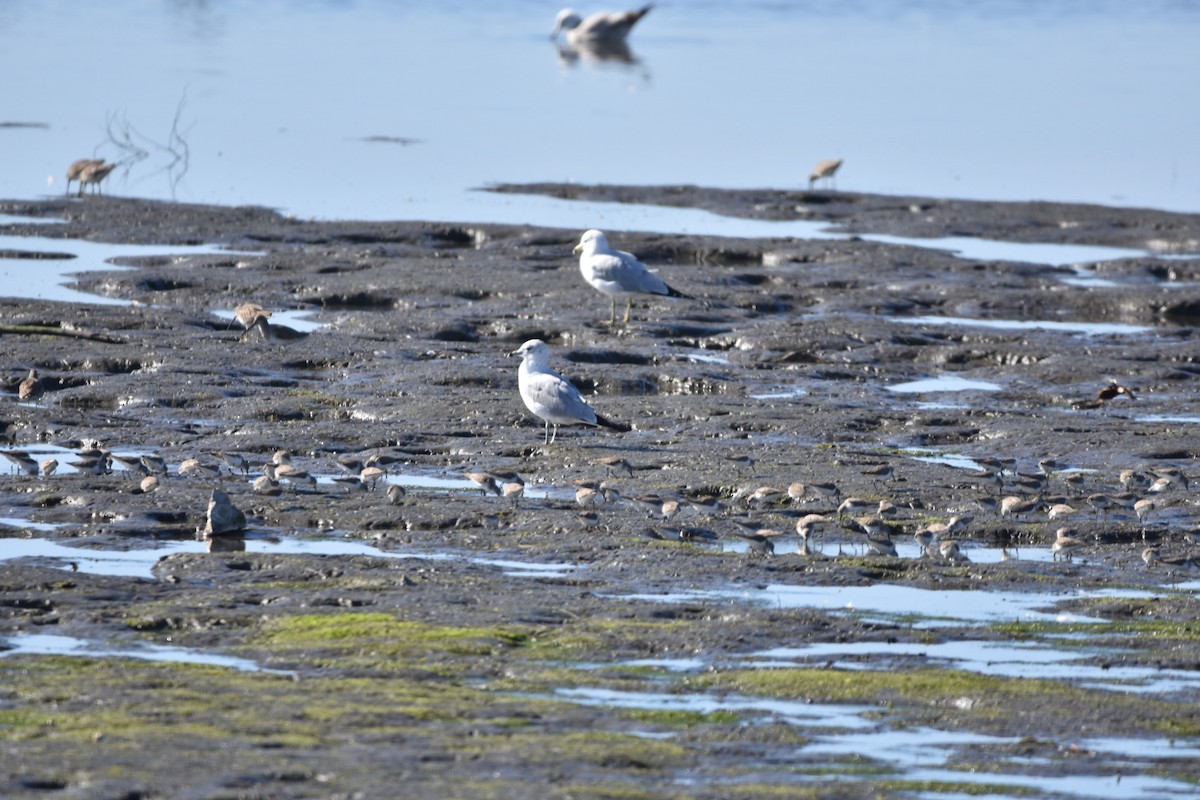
(628, 310)
(554, 435)
(612, 316)
(546, 438)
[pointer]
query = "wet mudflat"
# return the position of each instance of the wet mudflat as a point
(471, 645)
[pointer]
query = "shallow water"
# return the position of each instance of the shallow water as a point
(923, 607)
(45, 278)
(140, 562)
(50, 644)
(1084, 328)
(958, 112)
(943, 383)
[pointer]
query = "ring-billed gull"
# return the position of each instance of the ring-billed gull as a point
(826, 169)
(601, 26)
(617, 273)
(551, 396)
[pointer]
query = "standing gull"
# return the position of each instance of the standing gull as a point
(617, 273)
(551, 396)
(603, 26)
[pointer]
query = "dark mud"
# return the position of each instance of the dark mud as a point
(439, 668)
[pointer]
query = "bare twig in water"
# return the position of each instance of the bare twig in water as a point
(136, 146)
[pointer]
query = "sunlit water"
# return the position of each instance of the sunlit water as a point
(399, 110)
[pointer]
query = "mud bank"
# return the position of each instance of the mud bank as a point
(471, 646)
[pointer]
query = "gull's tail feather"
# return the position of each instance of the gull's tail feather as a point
(616, 426)
(673, 292)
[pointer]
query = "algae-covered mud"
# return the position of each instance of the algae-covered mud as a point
(624, 614)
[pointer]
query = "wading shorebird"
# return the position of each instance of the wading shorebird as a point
(603, 26)
(248, 313)
(31, 388)
(93, 174)
(552, 397)
(617, 273)
(77, 167)
(826, 170)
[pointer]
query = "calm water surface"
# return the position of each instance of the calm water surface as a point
(387, 110)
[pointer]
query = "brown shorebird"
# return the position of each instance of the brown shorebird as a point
(93, 174)
(77, 167)
(1065, 544)
(31, 388)
(826, 170)
(248, 313)
(603, 26)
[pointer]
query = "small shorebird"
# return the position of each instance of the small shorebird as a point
(806, 526)
(603, 26)
(77, 167)
(802, 491)
(1132, 479)
(1065, 544)
(552, 397)
(248, 313)
(1113, 391)
(395, 493)
(880, 472)
(826, 170)
(267, 486)
(763, 494)
(513, 491)
(485, 481)
(31, 388)
(1014, 506)
(759, 540)
(155, 465)
(93, 174)
(617, 273)
(1172, 475)
(853, 505)
(22, 460)
(194, 467)
(223, 516)
(48, 466)
(611, 463)
(926, 538)
(1061, 511)
(370, 477)
(950, 551)
(881, 546)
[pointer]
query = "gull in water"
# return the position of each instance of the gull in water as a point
(603, 26)
(617, 273)
(551, 396)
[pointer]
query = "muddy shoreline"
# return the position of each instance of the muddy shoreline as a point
(432, 662)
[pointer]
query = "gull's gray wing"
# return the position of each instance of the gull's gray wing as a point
(624, 271)
(558, 399)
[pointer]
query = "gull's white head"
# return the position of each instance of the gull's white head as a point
(591, 241)
(567, 20)
(534, 353)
